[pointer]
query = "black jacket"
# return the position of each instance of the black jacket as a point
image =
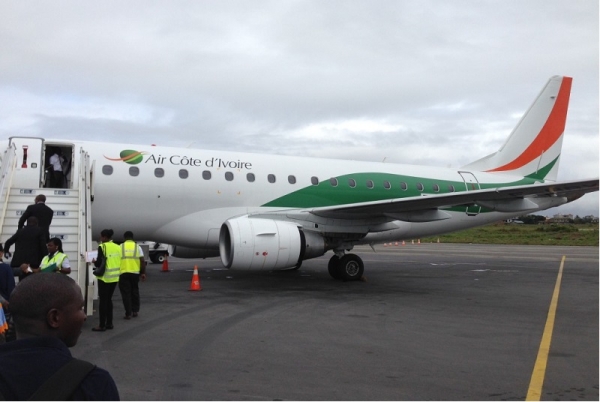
(30, 246)
(44, 215)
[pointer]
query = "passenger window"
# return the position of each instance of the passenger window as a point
(206, 175)
(314, 180)
(134, 171)
(352, 183)
(183, 174)
(228, 176)
(436, 188)
(420, 186)
(387, 185)
(333, 181)
(370, 184)
(159, 172)
(403, 186)
(250, 177)
(451, 188)
(107, 170)
(292, 179)
(271, 178)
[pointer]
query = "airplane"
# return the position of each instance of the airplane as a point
(271, 212)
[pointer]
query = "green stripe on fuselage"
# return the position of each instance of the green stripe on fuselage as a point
(325, 194)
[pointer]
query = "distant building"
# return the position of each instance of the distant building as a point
(590, 218)
(559, 218)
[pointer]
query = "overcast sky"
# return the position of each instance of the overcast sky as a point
(423, 82)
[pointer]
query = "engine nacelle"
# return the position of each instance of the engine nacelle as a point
(264, 244)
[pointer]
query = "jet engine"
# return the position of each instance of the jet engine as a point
(263, 244)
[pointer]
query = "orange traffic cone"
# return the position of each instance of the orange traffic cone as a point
(195, 285)
(403, 243)
(165, 266)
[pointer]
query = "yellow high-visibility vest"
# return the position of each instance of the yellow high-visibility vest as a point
(112, 253)
(53, 264)
(130, 258)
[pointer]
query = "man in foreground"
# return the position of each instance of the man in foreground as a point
(48, 315)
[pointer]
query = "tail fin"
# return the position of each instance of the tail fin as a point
(533, 148)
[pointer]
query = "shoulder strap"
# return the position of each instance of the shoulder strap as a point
(61, 385)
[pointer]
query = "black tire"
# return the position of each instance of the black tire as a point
(351, 267)
(153, 259)
(334, 267)
(161, 257)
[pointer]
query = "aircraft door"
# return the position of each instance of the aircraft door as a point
(471, 184)
(30, 165)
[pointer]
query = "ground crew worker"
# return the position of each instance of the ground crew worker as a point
(108, 269)
(56, 260)
(133, 267)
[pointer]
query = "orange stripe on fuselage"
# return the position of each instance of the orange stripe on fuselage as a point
(549, 134)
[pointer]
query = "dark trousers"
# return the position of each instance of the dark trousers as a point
(58, 180)
(105, 304)
(130, 291)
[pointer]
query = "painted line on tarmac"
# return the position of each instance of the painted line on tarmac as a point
(539, 370)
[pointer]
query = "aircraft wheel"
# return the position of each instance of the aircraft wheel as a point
(351, 267)
(334, 267)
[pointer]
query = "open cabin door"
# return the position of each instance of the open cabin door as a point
(471, 184)
(29, 170)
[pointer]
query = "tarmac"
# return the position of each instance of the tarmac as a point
(428, 322)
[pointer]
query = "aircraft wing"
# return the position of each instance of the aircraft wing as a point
(503, 199)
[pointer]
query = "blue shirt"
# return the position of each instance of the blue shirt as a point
(7, 280)
(26, 364)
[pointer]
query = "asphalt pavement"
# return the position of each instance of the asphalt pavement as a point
(428, 322)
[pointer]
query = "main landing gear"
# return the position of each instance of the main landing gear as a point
(349, 267)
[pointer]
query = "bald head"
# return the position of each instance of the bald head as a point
(48, 304)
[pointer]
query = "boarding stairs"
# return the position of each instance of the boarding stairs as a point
(72, 214)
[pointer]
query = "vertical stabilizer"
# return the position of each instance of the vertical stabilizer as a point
(533, 148)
